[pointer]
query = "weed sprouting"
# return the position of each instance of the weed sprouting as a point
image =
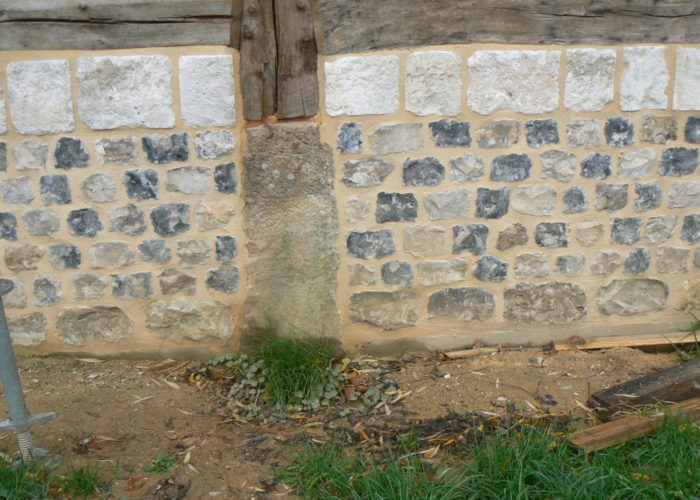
(161, 463)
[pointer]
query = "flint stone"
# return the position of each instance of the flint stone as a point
(193, 252)
(685, 96)
(188, 180)
(659, 129)
(397, 273)
(571, 264)
(610, 197)
(645, 78)
(17, 191)
(512, 167)
(367, 172)
(171, 219)
(605, 262)
(47, 291)
(589, 233)
(466, 303)
(141, 184)
(660, 228)
(17, 297)
(226, 249)
(692, 130)
(471, 238)
(156, 251)
(684, 195)
(511, 236)
(125, 91)
(626, 231)
(350, 137)
(161, 149)
(696, 258)
(467, 168)
(498, 134)
(690, 233)
(390, 138)
(371, 244)
(223, 279)
(575, 200)
(690, 296)
(207, 90)
(678, 162)
(450, 133)
(554, 302)
(225, 178)
(531, 265)
(135, 286)
(672, 259)
(387, 310)
(64, 256)
(447, 205)
(27, 330)
(54, 189)
(214, 144)
(359, 274)
(356, 210)
(631, 296)
(80, 326)
(84, 222)
(442, 272)
(213, 215)
(537, 199)
(635, 164)
(30, 155)
(3, 157)
(99, 188)
(117, 151)
(129, 219)
(108, 254)
(619, 132)
(88, 286)
(23, 258)
(552, 234)
(173, 281)
(491, 203)
(433, 83)
(596, 166)
(649, 196)
(583, 133)
(490, 268)
(558, 165)
(425, 241)
(638, 261)
(541, 132)
(187, 319)
(70, 153)
(590, 79)
(396, 207)
(423, 172)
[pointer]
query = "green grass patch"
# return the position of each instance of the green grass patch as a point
(35, 482)
(161, 463)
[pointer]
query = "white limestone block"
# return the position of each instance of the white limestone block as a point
(433, 83)
(686, 96)
(362, 85)
(207, 91)
(3, 120)
(590, 79)
(645, 79)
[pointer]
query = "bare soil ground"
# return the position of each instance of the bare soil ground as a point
(116, 415)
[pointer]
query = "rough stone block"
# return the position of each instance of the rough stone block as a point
(30, 155)
(659, 129)
(596, 166)
(17, 191)
(605, 262)
(672, 259)
(350, 137)
(371, 244)
(64, 256)
(645, 78)
(638, 261)
(678, 162)
(212, 215)
(554, 302)
(362, 85)
(632, 296)
(684, 195)
(366, 172)
(3, 157)
(490, 268)
(442, 272)
(173, 281)
(696, 258)
(467, 168)
(685, 95)
(425, 241)
(396, 207)
(450, 133)
(513, 235)
(635, 164)
(690, 232)
(692, 130)
(17, 297)
(80, 326)
(84, 222)
(649, 196)
(214, 144)
(47, 291)
(23, 258)
(558, 165)
(659, 229)
(137, 286)
(465, 303)
(111, 254)
(625, 231)
(117, 151)
(8, 226)
(70, 153)
(610, 197)
(537, 199)
(171, 219)
(571, 264)
(207, 91)
(491, 203)
(541, 132)
(359, 274)
(583, 133)
(397, 273)
(433, 83)
(226, 249)
(390, 138)
(188, 180)
(187, 319)
(88, 286)
(128, 219)
(575, 200)
(552, 234)
(3, 119)
(531, 265)
(27, 330)
(619, 132)
(55, 189)
(225, 178)
(356, 209)
(162, 149)
(386, 310)
(141, 184)
(590, 79)
(99, 188)
(193, 252)
(690, 296)
(223, 279)
(589, 233)
(156, 251)
(498, 134)
(447, 205)
(471, 238)
(512, 168)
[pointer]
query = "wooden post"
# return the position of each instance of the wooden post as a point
(258, 59)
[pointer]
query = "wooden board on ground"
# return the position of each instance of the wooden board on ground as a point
(470, 353)
(660, 339)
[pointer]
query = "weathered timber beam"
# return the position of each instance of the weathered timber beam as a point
(258, 59)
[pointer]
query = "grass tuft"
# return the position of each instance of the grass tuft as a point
(81, 482)
(161, 463)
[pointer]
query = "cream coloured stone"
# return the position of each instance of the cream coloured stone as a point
(558, 165)
(187, 319)
(519, 80)
(212, 214)
(583, 133)
(632, 296)
(17, 298)
(447, 205)
(605, 262)
(188, 180)
(590, 75)
(387, 310)
(589, 233)
(356, 209)
(207, 91)
(442, 272)
(635, 164)
(433, 84)
(27, 330)
(30, 155)
(111, 254)
(361, 275)
(396, 138)
(685, 89)
(362, 85)
(659, 229)
(684, 195)
(214, 144)
(672, 259)
(467, 168)
(531, 265)
(85, 325)
(425, 241)
(645, 78)
(537, 199)
(3, 120)
(690, 296)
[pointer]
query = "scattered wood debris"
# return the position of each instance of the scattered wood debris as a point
(469, 353)
(661, 339)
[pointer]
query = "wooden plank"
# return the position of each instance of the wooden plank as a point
(258, 59)
(660, 339)
(631, 427)
(470, 353)
(297, 81)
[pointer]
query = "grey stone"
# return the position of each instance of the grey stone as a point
(193, 252)
(659, 229)
(610, 197)
(54, 189)
(137, 286)
(371, 244)
(171, 219)
(696, 258)
(141, 184)
(207, 90)
(537, 199)
(64, 256)
(88, 286)
(161, 149)
(512, 167)
(99, 188)
(188, 180)
(80, 326)
(223, 279)
(8, 226)
(605, 262)
(450, 133)
(491, 203)
(174, 281)
(425, 241)
(692, 130)
(156, 251)
(467, 168)
(423, 172)
(619, 132)
(350, 137)
(47, 291)
(635, 164)
(589, 233)
(684, 195)
(3, 157)
(571, 264)
(397, 273)
(466, 303)
(17, 297)
(672, 259)
(590, 79)
(513, 235)
(396, 207)
(359, 274)
(70, 153)
(625, 231)
(583, 133)
(390, 138)
(552, 234)
(447, 205)
(659, 129)
(442, 272)
(649, 196)
(541, 132)
(84, 222)
(225, 178)
(531, 265)
(558, 165)
(117, 151)
(631, 296)
(490, 268)
(356, 210)
(498, 134)
(214, 144)
(27, 330)
(129, 219)
(433, 83)
(596, 166)
(366, 172)
(690, 233)
(362, 85)
(17, 191)
(226, 249)
(23, 258)
(553, 302)
(109, 254)
(690, 296)
(187, 319)
(575, 200)
(471, 238)
(638, 261)
(387, 310)
(213, 214)
(30, 155)
(678, 162)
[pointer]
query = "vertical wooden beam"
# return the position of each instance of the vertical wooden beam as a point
(258, 59)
